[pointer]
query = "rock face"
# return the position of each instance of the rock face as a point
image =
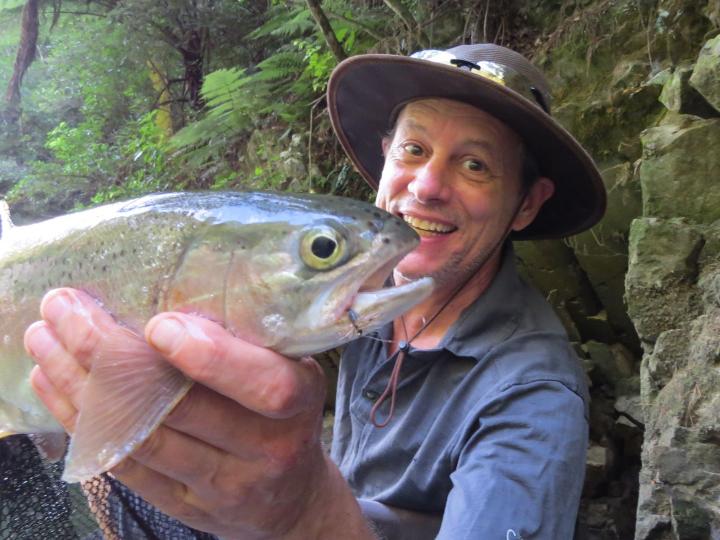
(638, 83)
(673, 294)
(705, 77)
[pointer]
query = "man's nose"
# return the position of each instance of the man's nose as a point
(431, 182)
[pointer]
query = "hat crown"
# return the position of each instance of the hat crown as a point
(512, 68)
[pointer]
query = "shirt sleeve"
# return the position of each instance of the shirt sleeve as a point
(520, 470)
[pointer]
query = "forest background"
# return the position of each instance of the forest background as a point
(110, 99)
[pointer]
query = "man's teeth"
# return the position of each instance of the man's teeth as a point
(425, 225)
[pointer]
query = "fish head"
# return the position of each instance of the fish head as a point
(306, 275)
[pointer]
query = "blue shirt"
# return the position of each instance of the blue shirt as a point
(490, 429)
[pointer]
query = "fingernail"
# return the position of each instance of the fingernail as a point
(167, 335)
(55, 307)
(39, 341)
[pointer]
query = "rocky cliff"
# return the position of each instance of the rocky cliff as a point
(639, 84)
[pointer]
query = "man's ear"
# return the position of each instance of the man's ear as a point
(385, 143)
(541, 190)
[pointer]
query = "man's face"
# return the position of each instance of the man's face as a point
(453, 173)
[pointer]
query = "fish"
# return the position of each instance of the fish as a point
(296, 273)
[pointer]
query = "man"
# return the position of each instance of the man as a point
(484, 404)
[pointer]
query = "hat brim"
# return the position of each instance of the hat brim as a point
(365, 90)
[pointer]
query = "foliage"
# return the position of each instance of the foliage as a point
(7, 5)
(240, 83)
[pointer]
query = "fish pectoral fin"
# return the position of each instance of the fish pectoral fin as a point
(51, 446)
(129, 392)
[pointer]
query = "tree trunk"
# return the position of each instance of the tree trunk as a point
(324, 24)
(192, 54)
(25, 57)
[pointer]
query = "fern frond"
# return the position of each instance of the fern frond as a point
(281, 22)
(280, 66)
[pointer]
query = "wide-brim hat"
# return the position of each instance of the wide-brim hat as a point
(366, 92)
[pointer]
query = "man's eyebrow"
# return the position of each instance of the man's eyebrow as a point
(412, 124)
(482, 143)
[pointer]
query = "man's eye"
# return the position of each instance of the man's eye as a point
(475, 165)
(413, 149)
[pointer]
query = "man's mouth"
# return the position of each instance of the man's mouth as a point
(426, 227)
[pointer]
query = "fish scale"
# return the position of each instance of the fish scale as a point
(120, 272)
(279, 270)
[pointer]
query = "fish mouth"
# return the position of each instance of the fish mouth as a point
(371, 309)
(374, 304)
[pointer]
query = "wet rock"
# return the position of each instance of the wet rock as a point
(602, 253)
(663, 252)
(630, 407)
(706, 74)
(598, 463)
(679, 96)
(677, 170)
(668, 356)
(661, 272)
(689, 520)
(551, 266)
(611, 363)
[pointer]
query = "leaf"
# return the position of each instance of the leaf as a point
(8, 5)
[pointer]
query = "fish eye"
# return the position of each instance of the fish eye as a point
(322, 248)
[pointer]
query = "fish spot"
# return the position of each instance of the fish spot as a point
(386, 240)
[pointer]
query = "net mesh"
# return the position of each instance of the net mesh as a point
(36, 505)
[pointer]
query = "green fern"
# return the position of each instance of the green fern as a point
(280, 66)
(286, 23)
(228, 100)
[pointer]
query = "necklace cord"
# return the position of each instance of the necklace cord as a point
(404, 346)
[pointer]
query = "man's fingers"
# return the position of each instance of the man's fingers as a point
(209, 416)
(60, 368)
(212, 473)
(255, 377)
(78, 320)
(56, 402)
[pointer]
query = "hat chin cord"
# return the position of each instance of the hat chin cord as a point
(404, 345)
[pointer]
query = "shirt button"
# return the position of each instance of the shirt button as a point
(371, 395)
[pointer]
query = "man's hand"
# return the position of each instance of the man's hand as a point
(240, 456)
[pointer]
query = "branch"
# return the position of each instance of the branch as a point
(25, 55)
(406, 17)
(63, 12)
(360, 25)
(324, 24)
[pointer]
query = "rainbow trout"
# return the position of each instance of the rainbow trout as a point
(296, 273)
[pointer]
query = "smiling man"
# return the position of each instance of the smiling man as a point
(464, 419)
(483, 402)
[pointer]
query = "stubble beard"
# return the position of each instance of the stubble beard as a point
(455, 272)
